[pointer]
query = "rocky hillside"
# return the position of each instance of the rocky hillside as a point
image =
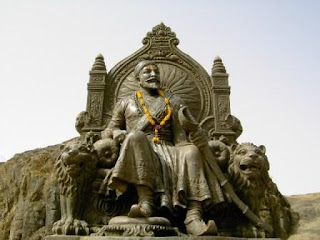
(29, 198)
(308, 207)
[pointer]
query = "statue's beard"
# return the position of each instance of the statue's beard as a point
(150, 84)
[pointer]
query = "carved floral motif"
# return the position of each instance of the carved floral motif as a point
(223, 107)
(97, 79)
(220, 82)
(95, 109)
(131, 230)
(161, 32)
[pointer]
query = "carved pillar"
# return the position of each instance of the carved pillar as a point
(96, 95)
(221, 99)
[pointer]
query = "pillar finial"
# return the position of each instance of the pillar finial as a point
(99, 63)
(218, 66)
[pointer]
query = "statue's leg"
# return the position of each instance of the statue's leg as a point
(146, 203)
(197, 191)
(139, 165)
(194, 222)
(192, 182)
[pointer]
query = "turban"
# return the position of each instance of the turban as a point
(141, 65)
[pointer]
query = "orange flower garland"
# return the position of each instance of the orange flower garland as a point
(157, 128)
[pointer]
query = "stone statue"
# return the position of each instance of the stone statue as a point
(144, 166)
(74, 169)
(248, 172)
(80, 121)
(157, 157)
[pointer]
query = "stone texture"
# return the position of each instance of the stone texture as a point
(28, 194)
(308, 207)
(27, 200)
(150, 238)
(63, 238)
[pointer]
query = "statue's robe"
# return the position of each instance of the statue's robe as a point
(173, 169)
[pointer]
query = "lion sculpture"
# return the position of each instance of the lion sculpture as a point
(74, 170)
(248, 172)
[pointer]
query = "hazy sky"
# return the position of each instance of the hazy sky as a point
(271, 50)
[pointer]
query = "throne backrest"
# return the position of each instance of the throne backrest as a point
(206, 96)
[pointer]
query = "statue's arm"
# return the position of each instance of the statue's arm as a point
(117, 122)
(108, 147)
(179, 135)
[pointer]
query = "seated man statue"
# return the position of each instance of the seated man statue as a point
(158, 157)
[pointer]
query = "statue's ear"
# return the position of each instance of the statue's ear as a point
(233, 147)
(62, 147)
(263, 149)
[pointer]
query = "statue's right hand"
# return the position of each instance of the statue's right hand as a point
(119, 135)
(221, 152)
(107, 133)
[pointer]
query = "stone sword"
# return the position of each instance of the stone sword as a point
(190, 125)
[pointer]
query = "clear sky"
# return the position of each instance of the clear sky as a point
(271, 50)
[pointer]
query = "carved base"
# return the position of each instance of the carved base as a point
(56, 237)
(136, 227)
(144, 230)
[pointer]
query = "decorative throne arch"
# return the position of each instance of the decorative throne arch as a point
(206, 96)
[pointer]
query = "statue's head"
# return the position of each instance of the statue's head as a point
(147, 73)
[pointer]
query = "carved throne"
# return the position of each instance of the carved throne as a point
(207, 96)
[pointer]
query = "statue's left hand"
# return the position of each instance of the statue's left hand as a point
(198, 138)
(119, 135)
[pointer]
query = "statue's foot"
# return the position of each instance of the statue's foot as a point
(143, 210)
(198, 227)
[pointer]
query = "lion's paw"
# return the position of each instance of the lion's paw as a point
(71, 227)
(250, 231)
(61, 222)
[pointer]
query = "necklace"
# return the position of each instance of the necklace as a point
(157, 127)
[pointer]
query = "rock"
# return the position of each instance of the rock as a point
(308, 207)
(28, 199)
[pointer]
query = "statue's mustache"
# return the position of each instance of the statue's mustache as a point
(152, 79)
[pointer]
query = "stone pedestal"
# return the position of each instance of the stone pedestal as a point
(56, 237)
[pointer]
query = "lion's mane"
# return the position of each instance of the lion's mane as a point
(71, 185)
(250, 189)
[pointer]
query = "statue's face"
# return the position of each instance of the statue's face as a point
(149, 77)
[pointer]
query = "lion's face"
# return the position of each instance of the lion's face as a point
(73, 157)
(248, 173)
(249, 161)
